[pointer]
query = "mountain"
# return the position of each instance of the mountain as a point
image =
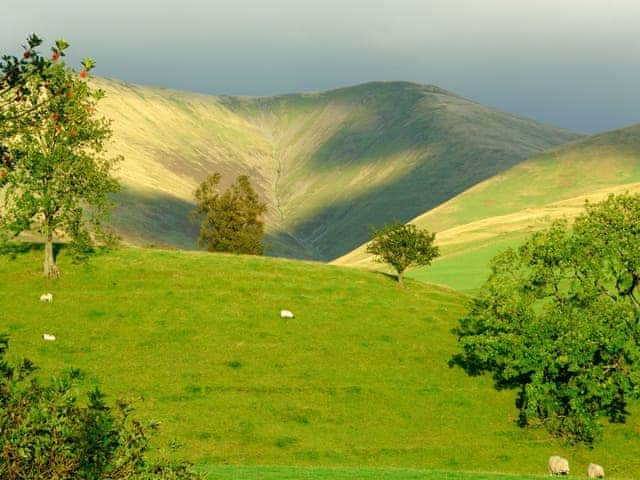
(502, 210)
(328, 164)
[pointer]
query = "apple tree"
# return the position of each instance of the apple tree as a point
(55, 178)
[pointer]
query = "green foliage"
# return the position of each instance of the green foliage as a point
(231, 220)
(55, 177)
(559, 319)
(45, 432)
(402, 246)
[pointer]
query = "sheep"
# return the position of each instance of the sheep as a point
(558, 466)
(595, 471)
(49, 337)
(286, 314)
(46, 297)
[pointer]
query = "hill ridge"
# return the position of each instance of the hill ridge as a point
(328, 164)
(500, 211)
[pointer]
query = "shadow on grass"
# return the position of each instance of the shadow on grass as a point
(389, 276)
(14, 248)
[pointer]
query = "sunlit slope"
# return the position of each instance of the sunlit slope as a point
(359, 377)
(328, 164)
(507, 207)
(170, 142)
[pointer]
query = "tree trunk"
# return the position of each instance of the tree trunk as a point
(400, 284)
(50, 268)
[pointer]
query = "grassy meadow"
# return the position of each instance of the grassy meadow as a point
(230, 472)
(356, 386)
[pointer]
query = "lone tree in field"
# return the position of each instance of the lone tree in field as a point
(54, 176)
(402, 246)
(231, 221)
(47, 432)
(559, 320)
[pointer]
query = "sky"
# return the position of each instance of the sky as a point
(570, 63)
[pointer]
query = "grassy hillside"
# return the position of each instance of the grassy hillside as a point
(503, 210)
(328, 164)
(359, 377)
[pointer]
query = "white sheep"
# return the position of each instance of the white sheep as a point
(46, 297)
(48, 337)
(558, 466)
(286, 314)
(595, 471)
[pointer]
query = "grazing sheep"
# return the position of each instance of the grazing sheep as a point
(48, 337)
(595, 471)
(558, 466)
(46, 297)
(286, 314)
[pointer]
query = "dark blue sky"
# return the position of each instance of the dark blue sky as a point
(571, 63)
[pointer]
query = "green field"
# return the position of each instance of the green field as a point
(465, 270)
(358, 379)
(309, 473)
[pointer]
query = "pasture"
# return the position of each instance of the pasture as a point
(358, 379)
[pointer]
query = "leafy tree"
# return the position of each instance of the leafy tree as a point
(402, 246)
(559, 320)
(54, 176)
(231, 220)
(45, 432)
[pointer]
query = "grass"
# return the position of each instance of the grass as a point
(292, 473)
(465, 270)
(504, 209)
(358, 379)
(327, 164)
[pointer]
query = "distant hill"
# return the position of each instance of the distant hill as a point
(328, 164)
(502, 210)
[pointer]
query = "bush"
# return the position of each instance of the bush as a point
(46, 432)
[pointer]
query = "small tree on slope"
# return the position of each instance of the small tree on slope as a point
(402, 246)
(55, 178)
(559, 320)
(231, 220)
